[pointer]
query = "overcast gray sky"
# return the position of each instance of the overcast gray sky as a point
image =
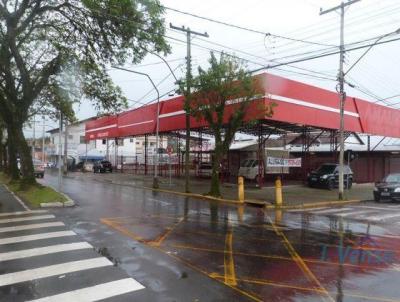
(376, 76)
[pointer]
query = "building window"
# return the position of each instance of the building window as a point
(137, 143)
(131, 140)
(52, 140)
(70, 137)
(104, 142)
(152, 144)
(82, 139)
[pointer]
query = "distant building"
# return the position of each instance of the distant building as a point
(127, 149)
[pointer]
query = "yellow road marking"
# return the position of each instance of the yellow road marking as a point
(121, 229)
(209, 234)
(299, 261)
(128, 233)
(166, 234)
(276, 257)
(276, 284)
(229, 265)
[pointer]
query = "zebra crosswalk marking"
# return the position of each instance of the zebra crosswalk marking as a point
(53, 270)
(30, 226)
(97, 292)
(19, 239)
(45, 250)
(19, 219)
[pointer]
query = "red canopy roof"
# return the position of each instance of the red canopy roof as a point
(297, 104)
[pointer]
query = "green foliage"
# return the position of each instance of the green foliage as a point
(53, 54)
(53, 51)
(221, 96)
(34, 194)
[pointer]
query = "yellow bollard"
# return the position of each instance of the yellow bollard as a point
(241, 189)
(278, 192)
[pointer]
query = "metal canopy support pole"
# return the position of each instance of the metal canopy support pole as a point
(107, 150)
(145, 154)
(260, 176)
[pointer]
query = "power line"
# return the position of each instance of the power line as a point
(321, 56)
(242, 27)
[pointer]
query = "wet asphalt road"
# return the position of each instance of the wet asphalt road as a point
(182, 249)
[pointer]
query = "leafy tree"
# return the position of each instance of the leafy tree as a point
(53, 52)
(221, 96)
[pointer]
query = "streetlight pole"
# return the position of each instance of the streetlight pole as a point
(34, 137)
(59, 153)
(155, 179)
(43, 156)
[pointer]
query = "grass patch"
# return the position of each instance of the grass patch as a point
(35, 194)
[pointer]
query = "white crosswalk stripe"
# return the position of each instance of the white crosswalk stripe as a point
(95, 293)
(43, 238)
(53, 270)
(36, 237)
(30, 226)
(362, 213)
(23, 213)
(44, 250)
(352, 213)
(328, 211)
(383, 217)
(39, 217)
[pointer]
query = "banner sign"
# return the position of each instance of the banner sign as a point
(283, 162)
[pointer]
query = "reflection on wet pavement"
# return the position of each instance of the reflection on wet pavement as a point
(272, 256)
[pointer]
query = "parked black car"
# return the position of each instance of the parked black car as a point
(327, 176)
(102, 166)
(388, 188)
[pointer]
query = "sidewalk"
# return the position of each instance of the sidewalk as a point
(292, 194)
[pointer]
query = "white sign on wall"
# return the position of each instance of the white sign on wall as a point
(283, 162)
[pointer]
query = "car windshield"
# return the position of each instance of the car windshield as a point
(392, 178)
(245, 163)
(326, 169)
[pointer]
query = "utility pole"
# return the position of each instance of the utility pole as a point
(43, 129)
(342, 93)
(188, 32)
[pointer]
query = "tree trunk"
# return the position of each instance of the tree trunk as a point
(28, 177)
(215, 183)
(1, 150)
(12, 167)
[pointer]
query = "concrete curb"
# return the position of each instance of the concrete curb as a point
(252, 202)
(260, 203)
(315, 205)
(67, 204)
(195, 195)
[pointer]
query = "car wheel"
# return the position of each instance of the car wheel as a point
(350, 184)
(377, 198)
(331, 184)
